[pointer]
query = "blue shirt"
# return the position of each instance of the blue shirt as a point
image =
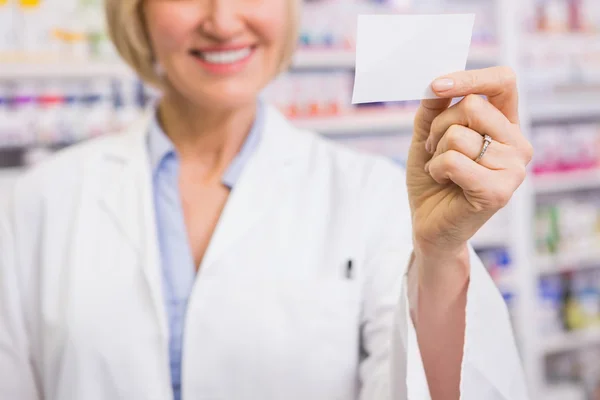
(177, 262)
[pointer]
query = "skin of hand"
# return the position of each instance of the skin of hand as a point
(451, 197)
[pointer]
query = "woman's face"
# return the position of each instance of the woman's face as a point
(218, 53)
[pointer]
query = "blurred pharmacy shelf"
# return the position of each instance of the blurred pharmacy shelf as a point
(567, 181)
(360, 122)
(559, 65)
(324, 58)
(61, 69)
(558, 42)
(345, 58)
(587, 257)
(484, 54)
(565, 107)
(570, 341)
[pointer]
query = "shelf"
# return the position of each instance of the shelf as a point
(587, 258)
(571, 340)
(565, 107)
(57, 69)
(323, 58)
(488, 54)
(567, 181)
(345, 58)
(359, 122)
(562, 42)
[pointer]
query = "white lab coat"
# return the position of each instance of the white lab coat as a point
(273, 314)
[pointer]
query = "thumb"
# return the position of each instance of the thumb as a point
(427, 112)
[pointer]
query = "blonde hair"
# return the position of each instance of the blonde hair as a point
(128, 32)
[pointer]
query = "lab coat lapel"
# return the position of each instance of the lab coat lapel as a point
(124, 191)
(260, 187)
(125, 184)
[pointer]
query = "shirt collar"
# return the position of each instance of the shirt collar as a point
(161, 147)
(159, 144)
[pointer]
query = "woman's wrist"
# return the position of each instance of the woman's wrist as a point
(434, 251)
(441, 267)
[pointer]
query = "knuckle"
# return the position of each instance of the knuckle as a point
(437, 170)
(520, 174)
(451, 161)
(454, 138)
(528, 152)
(471, 104)
(435, 125)
(437, 175)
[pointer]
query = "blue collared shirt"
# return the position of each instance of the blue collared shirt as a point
(177, 262)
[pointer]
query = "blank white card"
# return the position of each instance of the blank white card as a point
(399, 56)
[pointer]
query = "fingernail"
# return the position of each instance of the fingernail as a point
(441, 85)
(428, 145)
(427, 166)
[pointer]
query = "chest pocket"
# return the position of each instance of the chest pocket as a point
(272, 335)
(324, 311)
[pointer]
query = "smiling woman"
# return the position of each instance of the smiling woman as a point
(214, 251)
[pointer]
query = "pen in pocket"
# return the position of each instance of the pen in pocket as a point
(349, 272)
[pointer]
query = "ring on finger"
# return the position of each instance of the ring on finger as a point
(487, 140)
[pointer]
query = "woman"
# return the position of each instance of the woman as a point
(213, 251)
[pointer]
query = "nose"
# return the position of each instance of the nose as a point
(224, 20)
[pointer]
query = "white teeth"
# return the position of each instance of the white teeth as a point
(225, 57)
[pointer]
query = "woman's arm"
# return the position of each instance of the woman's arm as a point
(437, 307)
(462, 332)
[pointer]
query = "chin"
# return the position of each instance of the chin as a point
(220, 93)
(228, 97)
(228, 101)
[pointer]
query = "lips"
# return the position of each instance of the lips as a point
(223, 57)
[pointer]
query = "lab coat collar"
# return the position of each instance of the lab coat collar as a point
(125, 193)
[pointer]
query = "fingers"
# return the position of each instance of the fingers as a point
(499, 84)
(453, 166)
(498, 156)
(470, 143)
(484, 188)
(478, 114)
(428, 111)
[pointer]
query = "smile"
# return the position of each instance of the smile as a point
(223, 57)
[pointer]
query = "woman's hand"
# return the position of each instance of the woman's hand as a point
(452, 195)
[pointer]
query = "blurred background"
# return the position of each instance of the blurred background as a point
(61, 82)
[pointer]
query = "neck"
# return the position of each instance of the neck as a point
(209, 138)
